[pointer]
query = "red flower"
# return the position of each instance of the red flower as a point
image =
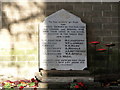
(94, 42)
(36, 83)
(21, 87)
(3, 84)
(76, 86)
(32, 79)
(81, 84)
(101, 50)
(109, 45)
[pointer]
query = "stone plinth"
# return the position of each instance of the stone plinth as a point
(61, 78)
(64, 73)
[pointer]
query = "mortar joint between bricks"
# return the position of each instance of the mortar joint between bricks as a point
(74, 7)
(92, 7)
(55, 7)
(111, 7)
(111, 33)
(83, 14)
(102, 26)
(102, 13)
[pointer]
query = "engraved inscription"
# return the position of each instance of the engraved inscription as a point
(63, 42)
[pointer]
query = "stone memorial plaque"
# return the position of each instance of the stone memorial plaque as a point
(63, 42)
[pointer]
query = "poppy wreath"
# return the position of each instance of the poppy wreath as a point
(77, 86)
(21, 84)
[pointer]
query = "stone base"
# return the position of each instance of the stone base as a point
(60, 78)
(65, 86)
(61, 73)
(67, 79)
(53, 85)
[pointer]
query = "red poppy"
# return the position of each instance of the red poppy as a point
(94, 42)
(101, 50)
(3, 84)
(109, 45)
(21, 87)
(32, 79)
(77, 86)
(36, 83)
(81, 84)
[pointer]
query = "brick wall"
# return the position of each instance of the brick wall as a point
(101, 19)
(19, 38)
(19, 31)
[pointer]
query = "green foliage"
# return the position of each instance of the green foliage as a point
(21, 84)
(7, 85)
(32, 84)
(72, 85)
(11, 85)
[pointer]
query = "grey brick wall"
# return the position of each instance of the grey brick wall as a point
(101, 19)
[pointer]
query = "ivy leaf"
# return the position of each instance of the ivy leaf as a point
(21, 85)
(32, 84)
(72, 85)
(7, 85)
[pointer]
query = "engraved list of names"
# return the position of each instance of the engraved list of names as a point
(63, 42)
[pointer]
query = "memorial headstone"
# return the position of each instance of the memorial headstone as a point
(63, 50)
(63, 42)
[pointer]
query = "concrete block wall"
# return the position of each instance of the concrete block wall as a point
(101, 19)
(20, 28)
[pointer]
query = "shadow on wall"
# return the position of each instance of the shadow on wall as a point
(19, 37)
